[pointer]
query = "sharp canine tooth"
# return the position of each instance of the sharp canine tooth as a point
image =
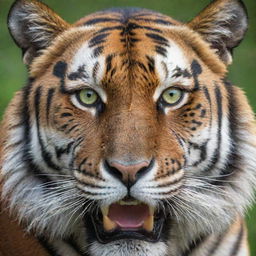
(149, 223)
(108, 224)
(105, 210)
(151, 210)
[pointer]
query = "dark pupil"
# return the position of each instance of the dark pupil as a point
(89, 94)
(172, 94)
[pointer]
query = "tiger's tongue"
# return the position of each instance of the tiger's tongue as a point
(128, 216)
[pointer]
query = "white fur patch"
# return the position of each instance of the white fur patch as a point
(127, 248)
(83, 58)
(175, 59)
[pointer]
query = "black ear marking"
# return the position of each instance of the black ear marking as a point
(196, 70)
(33, 26)
(223, 24)
(60, 70)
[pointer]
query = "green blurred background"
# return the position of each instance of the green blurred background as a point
(242, 72)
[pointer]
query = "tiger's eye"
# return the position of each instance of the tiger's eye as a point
(87, 96)
(172, 96)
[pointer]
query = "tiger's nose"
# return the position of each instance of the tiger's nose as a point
(128, 173)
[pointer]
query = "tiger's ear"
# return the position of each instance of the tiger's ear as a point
(223, 24)
(33, 26)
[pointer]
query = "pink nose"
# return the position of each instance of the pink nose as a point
(128, 172)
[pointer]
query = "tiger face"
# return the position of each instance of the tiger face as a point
(127, 133)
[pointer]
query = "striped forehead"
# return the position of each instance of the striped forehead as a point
(88, 68)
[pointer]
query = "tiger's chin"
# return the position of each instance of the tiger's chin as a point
(127, 220)
(128, 247)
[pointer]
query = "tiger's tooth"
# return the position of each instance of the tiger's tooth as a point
(105, 210)
(151, 210)
(149, 223)
(108, 224)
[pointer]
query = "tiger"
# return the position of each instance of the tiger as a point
(127, 139)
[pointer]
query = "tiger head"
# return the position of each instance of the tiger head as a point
(127, 135)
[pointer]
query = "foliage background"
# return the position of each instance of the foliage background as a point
(242, 72)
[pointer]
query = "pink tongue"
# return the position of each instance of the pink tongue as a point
(128, 216)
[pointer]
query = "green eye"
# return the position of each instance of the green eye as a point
(87, 97)
(172, 96)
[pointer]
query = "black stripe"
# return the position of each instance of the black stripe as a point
(110, 29)
(218, 96)
(15, 126)
(216, 154)
(78, 142)
(98, 51)
(161, 50)
(109, 62)
(66, 114)
(81, 73)
(194, 245)
(88, 174)
(234, 158)
(113, 71)
(59, 70)
(46, 155)
(151, 29)
(196, 70)
(14, 145)
(166, 184)
(27, 157)
(81, 164)
(165, 69)
(142, 66)
(72, 243)
(207, 95)
(215, 245)
(158, 39)
(203, 151)
(100, 20)
(63, 127)
(236, 247)
(63, 150)
(95, 71)
(164, 22)
(198, 123)
(49, 248)
(49, 101)
(71, 129)
(157, 21)
(99, 39)
(151, 63)
(131, 26)
(90, 185)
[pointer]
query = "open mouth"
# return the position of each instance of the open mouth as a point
(128, 219)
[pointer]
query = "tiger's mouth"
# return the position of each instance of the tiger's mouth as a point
(128, 219)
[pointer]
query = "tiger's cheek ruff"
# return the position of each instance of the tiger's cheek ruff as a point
(29, 191)
(207, 151)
